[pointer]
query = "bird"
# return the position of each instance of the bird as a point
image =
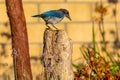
(53, 16)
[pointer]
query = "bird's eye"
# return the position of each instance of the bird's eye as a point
(67, 13)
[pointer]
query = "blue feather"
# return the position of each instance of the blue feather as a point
(49, 13)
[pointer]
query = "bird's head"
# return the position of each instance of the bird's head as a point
(66, 13)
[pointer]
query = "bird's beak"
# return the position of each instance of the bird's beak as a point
(68, 16)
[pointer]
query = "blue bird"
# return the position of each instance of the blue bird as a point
(53, 16)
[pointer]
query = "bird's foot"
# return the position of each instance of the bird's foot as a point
(48, 27)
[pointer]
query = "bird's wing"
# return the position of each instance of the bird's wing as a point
(49, 14)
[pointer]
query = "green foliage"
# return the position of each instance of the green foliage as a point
(114, 68)
(93, 38)
(78, 68)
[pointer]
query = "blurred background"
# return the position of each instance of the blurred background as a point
(103, 15)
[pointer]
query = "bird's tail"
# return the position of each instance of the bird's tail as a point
(36, 15)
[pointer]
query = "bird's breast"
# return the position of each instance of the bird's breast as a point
(53, 20)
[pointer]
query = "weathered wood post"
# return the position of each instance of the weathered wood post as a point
(57, 55)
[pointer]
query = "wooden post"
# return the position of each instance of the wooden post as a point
(20, 49)
(57, 55)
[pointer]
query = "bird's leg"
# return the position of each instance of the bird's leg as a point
(47, 26)
(54, 27)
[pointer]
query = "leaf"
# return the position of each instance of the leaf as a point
(114, 69)
(94, 75)
(78, 68)
(93, 38)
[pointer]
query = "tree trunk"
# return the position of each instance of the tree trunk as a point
(57, 53)
(20, 49)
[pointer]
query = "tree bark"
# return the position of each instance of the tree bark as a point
(20, 49)
(57, 53)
